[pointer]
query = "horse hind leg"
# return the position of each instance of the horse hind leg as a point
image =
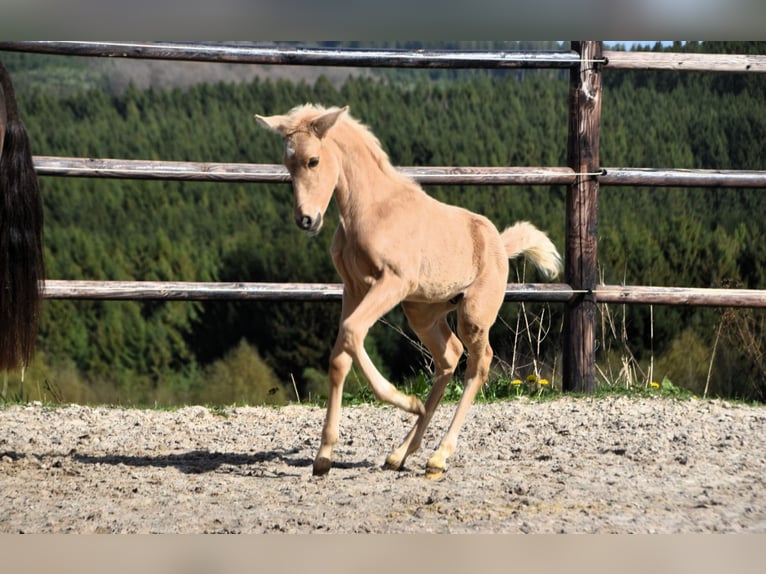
(475, 335)
(446, 350)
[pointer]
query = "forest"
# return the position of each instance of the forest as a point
(163, 353)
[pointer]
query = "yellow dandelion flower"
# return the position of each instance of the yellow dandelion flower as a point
(544, 382)
(655, 385)
(516, 382)
(532, 378)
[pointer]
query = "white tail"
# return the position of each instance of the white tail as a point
(523, 238)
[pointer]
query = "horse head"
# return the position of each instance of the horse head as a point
(309, 158)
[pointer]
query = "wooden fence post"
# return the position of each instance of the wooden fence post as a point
(581, 270)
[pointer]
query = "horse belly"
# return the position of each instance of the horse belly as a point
(453, 257)
(443, 276)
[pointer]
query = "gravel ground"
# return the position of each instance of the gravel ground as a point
(607, 465)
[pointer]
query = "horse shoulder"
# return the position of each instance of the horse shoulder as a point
(337, 251)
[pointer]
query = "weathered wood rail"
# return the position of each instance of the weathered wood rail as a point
(683, 177)
(685, 62)
(428, 175)
(583, 176)
(273, 173)
(522, 292)
(285, 56)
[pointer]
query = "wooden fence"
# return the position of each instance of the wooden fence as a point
(583, 176)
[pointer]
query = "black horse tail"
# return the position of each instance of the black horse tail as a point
(21, 236)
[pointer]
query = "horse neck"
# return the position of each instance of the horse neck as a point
(366, 178)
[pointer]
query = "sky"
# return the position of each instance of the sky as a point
(392, 19)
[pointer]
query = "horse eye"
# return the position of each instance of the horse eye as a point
(313, 162)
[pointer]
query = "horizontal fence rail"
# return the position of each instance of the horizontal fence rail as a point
(685, 61)
(190, 290)
(431, 175)
(280, 55)
(689, 296)
(274, 173)
(519, 292)
(196, 291)
(682, 177)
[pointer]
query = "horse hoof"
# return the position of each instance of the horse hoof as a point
(322, 466)
(434, 473)
(393, 463)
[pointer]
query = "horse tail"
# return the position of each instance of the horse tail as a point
(21, 235)
(523, 238)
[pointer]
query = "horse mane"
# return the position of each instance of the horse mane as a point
(304, 114)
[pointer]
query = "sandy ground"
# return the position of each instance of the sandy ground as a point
(609, 465)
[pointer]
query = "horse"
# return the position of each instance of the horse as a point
(21, 235)
(394, 245)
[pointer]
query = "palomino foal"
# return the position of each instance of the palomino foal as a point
(395, 244)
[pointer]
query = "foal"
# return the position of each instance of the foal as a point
(397, 245)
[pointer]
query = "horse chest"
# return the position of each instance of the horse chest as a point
(356, 263)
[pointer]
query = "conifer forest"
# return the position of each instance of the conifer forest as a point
(217, 352)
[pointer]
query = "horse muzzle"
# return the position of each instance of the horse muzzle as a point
(309, 224)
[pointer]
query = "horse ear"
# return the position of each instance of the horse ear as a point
(274, 123)
(323, 123)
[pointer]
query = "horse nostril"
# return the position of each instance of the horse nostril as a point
(305, 222)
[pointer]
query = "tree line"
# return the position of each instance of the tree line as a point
(144, 352)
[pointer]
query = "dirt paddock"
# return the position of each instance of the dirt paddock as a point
(607, 465)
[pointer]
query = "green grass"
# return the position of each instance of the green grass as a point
(502, 388)
(357, 392)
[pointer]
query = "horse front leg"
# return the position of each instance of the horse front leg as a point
(340, 365)
(385, 294)
(358, 315)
